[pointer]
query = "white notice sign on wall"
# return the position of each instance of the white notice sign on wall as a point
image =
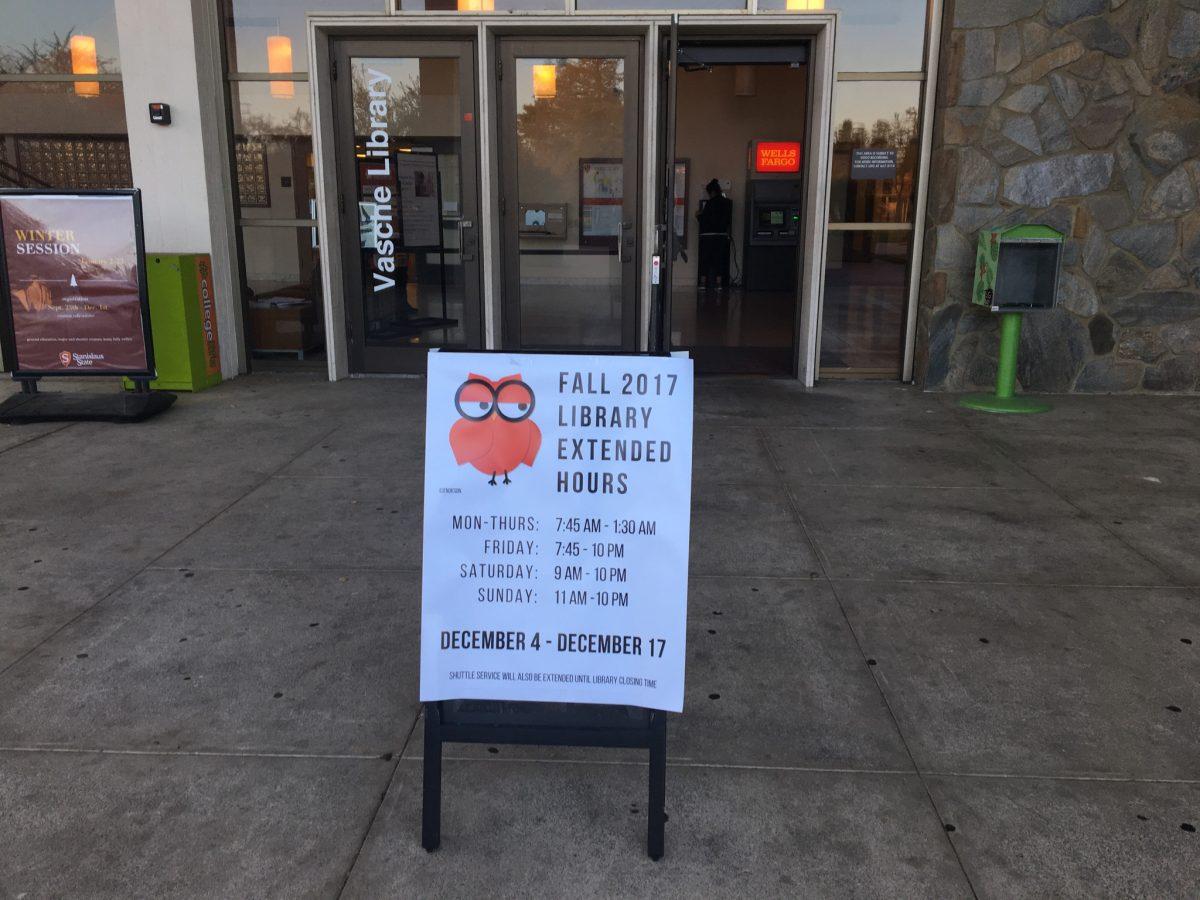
(557, 513)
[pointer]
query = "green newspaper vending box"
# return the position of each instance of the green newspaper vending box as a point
(1016, 270)
(183, 321)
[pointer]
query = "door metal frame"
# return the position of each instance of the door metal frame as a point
(659, 337)
(933, 45)
(820, 30)
(404, 359)
(674, 45)
(325, 28)
(509, 49)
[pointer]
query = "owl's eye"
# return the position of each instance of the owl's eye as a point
(513, 411)
(514, 401)
(477, 409)
(475, 400)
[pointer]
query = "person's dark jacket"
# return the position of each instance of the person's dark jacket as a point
(716, 215)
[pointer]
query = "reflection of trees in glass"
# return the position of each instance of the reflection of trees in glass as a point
(47, 56)
(898, 133)
(582, 119)
(253, 125)
(403, 105)
(882, 200)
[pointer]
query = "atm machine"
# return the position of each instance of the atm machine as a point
(774, 196)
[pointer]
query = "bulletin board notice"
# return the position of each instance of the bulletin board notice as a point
(557, 520)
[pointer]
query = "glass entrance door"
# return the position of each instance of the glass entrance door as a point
(738, 192)
(408, 198)
(570, 172)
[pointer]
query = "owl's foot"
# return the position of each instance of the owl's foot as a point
(506, 479)
(493, 481)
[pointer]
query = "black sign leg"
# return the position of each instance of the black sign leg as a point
(29, 386)
(431, 803)
(655, 838)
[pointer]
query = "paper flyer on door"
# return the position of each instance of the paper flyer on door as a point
(557, 519)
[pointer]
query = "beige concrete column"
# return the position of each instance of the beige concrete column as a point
(170, 53)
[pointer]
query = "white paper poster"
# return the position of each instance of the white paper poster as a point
(557, 516)
(417, 176)
(600, 201)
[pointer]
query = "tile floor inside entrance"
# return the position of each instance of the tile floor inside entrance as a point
(931, 653)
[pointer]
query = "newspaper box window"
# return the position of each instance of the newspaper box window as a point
(73, 274)
(1017, 268)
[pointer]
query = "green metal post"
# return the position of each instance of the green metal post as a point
(1010, 339)
(1006, 400)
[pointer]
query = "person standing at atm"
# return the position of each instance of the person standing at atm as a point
(715, 217)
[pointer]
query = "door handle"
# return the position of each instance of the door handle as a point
(622, 228)
(466, 235)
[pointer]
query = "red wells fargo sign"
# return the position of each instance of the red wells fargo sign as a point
(777, 156)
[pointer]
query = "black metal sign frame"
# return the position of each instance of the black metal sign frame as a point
(546, 724)
(7, 321)
(30, 406)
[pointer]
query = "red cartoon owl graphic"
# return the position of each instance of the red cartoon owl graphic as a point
(494, 432)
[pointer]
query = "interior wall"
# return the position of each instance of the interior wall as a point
(714, 127)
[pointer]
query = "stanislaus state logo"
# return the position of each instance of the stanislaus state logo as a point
(494, 432)
(64, 357)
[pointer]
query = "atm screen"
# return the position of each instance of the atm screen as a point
(770, 217)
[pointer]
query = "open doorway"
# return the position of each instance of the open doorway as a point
(741, 113)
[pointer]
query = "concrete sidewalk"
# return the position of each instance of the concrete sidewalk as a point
(931, 653)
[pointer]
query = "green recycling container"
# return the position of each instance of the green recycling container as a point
(183, 322)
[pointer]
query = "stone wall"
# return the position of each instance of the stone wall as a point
(1083, 115)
